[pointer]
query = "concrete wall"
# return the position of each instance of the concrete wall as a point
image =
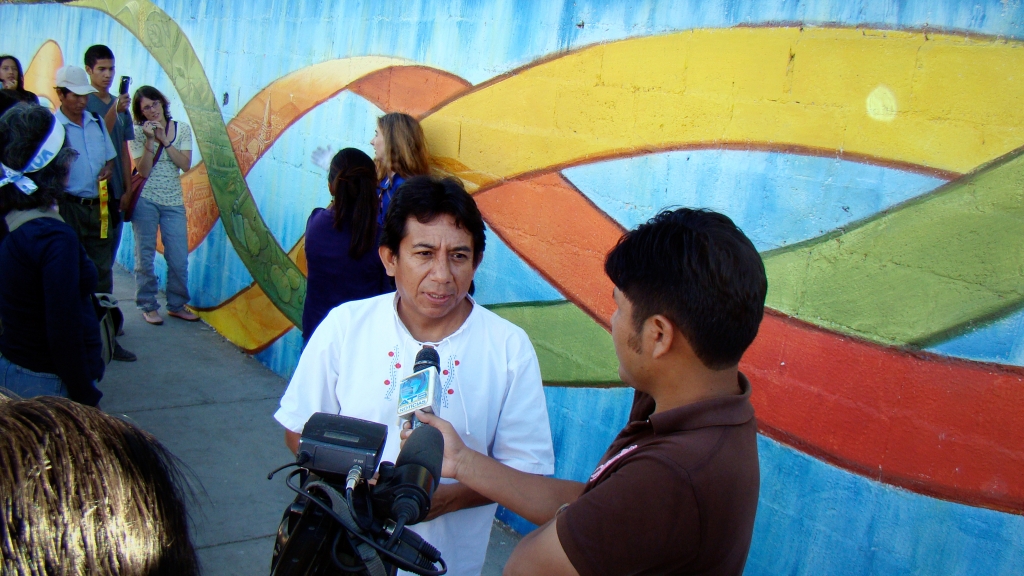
(871, 150)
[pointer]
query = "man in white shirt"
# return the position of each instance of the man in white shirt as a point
(432, 243)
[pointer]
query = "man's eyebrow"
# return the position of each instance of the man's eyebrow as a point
(424, 245)
(462, 248)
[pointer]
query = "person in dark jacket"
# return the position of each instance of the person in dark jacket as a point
(50, 340)
(341, 241)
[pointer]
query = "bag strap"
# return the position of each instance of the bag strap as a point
(15, 218)
(160, 149)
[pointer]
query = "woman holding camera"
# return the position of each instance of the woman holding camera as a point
(162, 149)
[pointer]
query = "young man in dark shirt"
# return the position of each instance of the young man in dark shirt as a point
(676, 492)
(99, 65)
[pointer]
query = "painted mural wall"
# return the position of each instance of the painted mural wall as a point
(873, 151)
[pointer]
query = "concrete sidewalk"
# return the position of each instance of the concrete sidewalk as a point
(213, 407)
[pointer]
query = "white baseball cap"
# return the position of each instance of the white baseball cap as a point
(74, 79)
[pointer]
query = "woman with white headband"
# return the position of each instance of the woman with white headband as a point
(49, 338)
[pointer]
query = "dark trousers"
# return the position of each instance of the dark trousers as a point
(116, 226)
(85, 221)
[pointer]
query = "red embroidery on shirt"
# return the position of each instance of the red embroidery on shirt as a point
(456, 362)
(445, 372)
(450, 391)
(391, 354)
(387, 382)
(611, 461)
(398, 365)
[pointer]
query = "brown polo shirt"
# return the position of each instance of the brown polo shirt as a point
(676, 493)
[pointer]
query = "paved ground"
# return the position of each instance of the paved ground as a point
(213, 406)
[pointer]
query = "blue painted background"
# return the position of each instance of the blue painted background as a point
(813, 518)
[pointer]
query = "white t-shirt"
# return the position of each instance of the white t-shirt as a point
(492, 395)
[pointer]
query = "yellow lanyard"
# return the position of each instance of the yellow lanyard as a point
(104, 210)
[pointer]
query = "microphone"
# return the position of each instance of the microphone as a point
(419, 468)
(426, 358)
(421, 390)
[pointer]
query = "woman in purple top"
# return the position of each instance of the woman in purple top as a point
(341, 241)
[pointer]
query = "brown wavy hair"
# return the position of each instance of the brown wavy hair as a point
(153, 94)
(405, 147)
(87, 493)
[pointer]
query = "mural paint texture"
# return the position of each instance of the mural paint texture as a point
(874, 152)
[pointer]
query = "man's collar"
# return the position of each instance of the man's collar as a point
(398, 320)
(723, 411)
(86, 117)
(59, 114)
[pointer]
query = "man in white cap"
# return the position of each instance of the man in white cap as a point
(86, 205)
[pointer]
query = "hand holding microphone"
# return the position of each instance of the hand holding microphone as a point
(455, 450)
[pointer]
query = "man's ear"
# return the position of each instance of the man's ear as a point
(389, 259)
(659, 332)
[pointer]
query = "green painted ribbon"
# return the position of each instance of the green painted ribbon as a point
(259, 250)
(919, 273)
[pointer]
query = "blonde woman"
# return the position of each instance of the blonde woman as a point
(400, 152)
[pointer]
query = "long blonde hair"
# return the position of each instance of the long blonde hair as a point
(405, 148)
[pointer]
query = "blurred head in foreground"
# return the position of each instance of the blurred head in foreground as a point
(87, 493)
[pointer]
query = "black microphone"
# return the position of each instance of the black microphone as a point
(426, 358)
(419, 469)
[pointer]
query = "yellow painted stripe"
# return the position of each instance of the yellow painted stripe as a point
(938, 101)
(249, 319)
(42, 70)
(946, 102)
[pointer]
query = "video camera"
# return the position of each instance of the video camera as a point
(338, 524)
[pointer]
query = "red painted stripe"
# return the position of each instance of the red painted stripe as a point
(944, 427)
(410, 89)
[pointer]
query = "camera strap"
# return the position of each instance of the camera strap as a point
(369, 556)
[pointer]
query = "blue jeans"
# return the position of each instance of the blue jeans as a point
(28, 384)
(174, 231)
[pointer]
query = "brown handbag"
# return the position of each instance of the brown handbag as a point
(138, 183)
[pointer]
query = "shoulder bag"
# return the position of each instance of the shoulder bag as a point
(139, 182)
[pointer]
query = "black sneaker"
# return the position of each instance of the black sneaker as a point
(122, 355)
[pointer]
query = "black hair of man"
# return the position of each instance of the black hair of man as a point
(696, 268)
(425, 198)
(96, 53)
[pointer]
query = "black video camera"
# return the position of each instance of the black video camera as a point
(339, 524)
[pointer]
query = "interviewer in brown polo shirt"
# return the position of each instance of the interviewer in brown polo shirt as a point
(677, 490)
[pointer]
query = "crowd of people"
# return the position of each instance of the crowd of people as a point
(391, 266)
